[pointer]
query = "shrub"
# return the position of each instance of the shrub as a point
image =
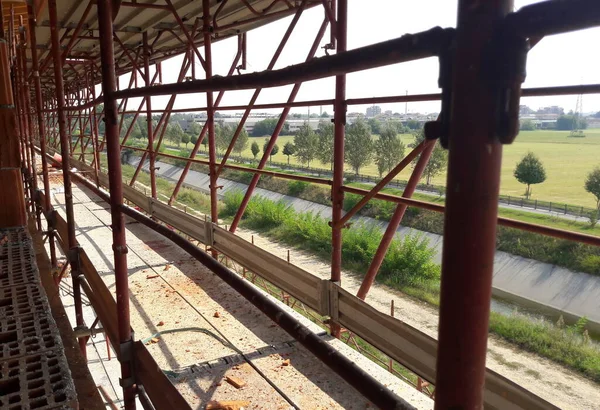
(563, 345)
(295, 188)
(593, 217)
(408, 262)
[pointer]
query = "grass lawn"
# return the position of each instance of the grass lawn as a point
(567, 161)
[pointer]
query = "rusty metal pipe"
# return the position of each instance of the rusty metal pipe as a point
(109, 86)
(263, 162)
(394, 223)
(339, 121)
(406, 48)
(472, 190)
(64, 148)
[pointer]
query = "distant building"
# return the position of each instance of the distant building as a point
(555, 109)
(388, 113)
(524, 110)
(373, 111)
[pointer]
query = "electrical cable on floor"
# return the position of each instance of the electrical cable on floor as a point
(231, 345)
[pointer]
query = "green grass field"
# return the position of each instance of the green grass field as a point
(567, 161)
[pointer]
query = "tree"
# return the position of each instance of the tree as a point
(592, 185)
(358, 145)
(241, 143)
(267, 127)
(437, 162)
(324, 115)
(306, 142)
(288, 149)
(325, 137)
(194, 139)
(530, 171)
(388, 150)
(571, 122)
(376, 126)
(143, 126)
(194, 129)
(185, 139)
(274, 150)
(255, 149)
(174, 133)
(223, 135)
(527, 125)
(413, 124)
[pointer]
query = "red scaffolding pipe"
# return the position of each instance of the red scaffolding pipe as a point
(339, 121)
(472, 190)
(267, 151)
(109, 86)
(64, 147)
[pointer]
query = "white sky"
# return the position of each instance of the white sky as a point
(565, 59)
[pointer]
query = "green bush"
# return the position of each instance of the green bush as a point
(408, 261)
(295, 188)
(590, 264)
(566, 346)
(194, 199)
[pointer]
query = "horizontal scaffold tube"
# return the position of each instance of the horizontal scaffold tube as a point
(406, 48)
(344, 367)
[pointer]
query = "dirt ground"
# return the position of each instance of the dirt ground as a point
(560, 386)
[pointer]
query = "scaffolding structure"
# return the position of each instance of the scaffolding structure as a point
(54, 69)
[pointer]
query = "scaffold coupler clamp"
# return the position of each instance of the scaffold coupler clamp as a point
(120, 249)
(126, 355)
(74, 255)
(504, 65)
(51, 219)
(440, 129)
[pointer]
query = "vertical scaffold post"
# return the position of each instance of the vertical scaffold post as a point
(66, 167)
(339, 119)
(109, 86)
(472, 189)
(147, 81)
(212, 150)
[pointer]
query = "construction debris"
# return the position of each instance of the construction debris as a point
(235, 382)
(161, 323)
(286, 362)
(154, 340)
(217, 315)
(152, 276)
(167, 267)
(227, 405)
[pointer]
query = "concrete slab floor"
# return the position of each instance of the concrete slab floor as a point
(204, 331)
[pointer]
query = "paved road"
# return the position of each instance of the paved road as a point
(534, 283)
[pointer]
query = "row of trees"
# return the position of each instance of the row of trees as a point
(267, 126)
(563, 123)
(361, 149)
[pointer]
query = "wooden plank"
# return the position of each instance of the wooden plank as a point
(304, 286)
(407, 345)
(104, 300)
(159, 388)
(137, 197)
(103, 179)
(186, 223)
(60, 225)
(418, 352)
(87, 393)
